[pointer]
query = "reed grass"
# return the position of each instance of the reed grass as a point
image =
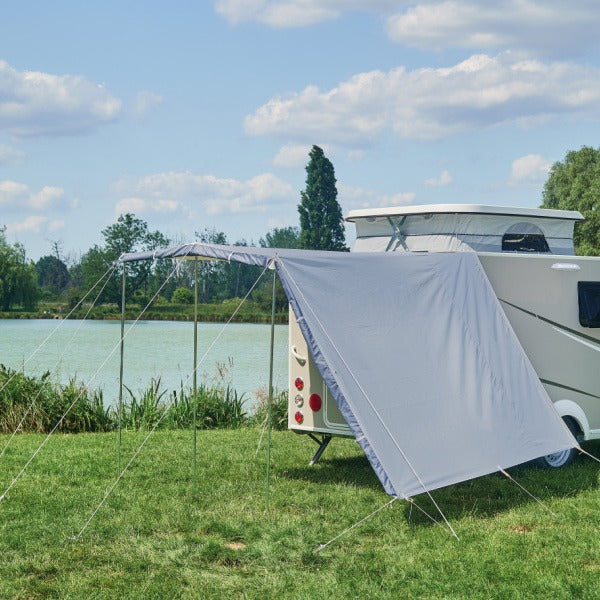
(37, 404)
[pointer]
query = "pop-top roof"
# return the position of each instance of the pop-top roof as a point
(572, 215)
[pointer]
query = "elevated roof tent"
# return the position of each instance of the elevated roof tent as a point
(464, 227)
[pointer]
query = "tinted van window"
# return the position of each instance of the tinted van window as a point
(589, 303)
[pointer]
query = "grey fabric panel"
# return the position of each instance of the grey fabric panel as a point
(418, 349)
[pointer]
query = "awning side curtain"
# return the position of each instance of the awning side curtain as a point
(423, 364)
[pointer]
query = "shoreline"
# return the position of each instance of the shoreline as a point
(280, 318)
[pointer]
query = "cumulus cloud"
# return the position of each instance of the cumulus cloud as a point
(548, 27)
(352, 198)
(145, 102)
(296, 155)
(146, 206)
(31, 224)
(544, 27)
(531, 169)
(292, 155)
(432, 103)
(280, 13)
(41, 104)
(16, 195)
(177, 191)
(10, 156)
(443, 179)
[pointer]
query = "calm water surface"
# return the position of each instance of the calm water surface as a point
(82, 349)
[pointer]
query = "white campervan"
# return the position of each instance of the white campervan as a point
(550, 296)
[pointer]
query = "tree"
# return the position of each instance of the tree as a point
(52, 274)
(211, 274)
(574, 184)
(17, 277)
(281, 237)
(128, 234)
(321, 221)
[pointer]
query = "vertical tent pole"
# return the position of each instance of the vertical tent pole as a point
(120, 409)
(195, 380)
(270, 400)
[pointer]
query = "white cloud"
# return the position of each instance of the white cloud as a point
(17, 195)
(292, 155)
(444, 179)
(45, 197)
(351, 198)
(177, 191)
(10, 156)
(31, 224)
(279, 13)
(296, 155)
(429, 103)
(40, 104)
(531, 169)
(544, 27)
(145, 102)
(144, 206)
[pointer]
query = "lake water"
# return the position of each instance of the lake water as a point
(89, 350)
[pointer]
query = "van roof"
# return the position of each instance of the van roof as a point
(572, 215)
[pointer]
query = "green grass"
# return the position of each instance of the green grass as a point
(158, 537)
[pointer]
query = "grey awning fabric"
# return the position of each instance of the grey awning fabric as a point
(419, 357)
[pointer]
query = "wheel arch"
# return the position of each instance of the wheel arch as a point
(568, 408)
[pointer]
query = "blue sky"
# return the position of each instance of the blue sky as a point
(202, 114)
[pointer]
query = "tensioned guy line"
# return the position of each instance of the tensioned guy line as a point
(58, 423)
(164, 413)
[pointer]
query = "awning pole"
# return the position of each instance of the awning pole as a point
(120, 409)
(195, 380)
(270, 400)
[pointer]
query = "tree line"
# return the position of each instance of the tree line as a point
(572, 184)
(54, 278)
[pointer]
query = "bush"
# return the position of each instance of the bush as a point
(182, 296)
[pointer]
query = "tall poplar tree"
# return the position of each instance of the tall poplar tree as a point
(321, 221)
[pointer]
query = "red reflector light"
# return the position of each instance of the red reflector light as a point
(299, 383)
(299, 417)
(315, 402)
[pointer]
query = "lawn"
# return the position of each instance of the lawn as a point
(159, 536)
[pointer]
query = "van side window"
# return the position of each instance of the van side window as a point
(524, 237)
(589, 303)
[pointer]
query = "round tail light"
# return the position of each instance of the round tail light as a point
(315, 402)
(299, 383)
(299, 417)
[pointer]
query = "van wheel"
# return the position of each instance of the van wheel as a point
(565, 457)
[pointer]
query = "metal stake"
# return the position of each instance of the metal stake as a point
(120, 410)
(195, 380)
(270, 400)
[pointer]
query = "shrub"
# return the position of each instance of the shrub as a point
(182, 296)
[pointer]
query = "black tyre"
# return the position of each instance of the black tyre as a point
(561, 459)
